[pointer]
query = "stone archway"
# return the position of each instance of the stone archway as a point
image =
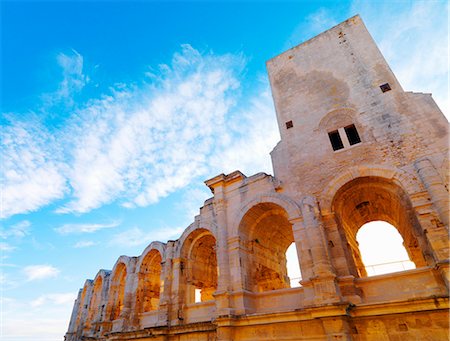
(118, 290)
(199, 259)
(149, 282)
(265, 235)
(367, 199)
(94, 305)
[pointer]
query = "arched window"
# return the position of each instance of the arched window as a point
(200, 266)
(266, 234)
(369, 199)
(118, 290)
(149, 282)
(382, 249)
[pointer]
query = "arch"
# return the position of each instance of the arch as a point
(95, 301)
(377, 235)
(197, 225)
(99, 297)
(337, 118)
(149, 273)
(159, 246)
(199, 265)
(371, 198)
(117, 287)
(403, 179)
(265, 233)
(290, 206)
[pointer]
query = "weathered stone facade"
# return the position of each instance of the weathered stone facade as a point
(390, 163)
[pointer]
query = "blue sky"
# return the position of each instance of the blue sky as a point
(114, 113)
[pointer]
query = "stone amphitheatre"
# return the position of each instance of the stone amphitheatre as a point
(355, 148)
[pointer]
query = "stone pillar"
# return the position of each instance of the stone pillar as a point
(223, 263)
(435, 187)
(323, 279)
(166, 287)
(240, 304)
(177, 293)
(129, 299)
(437, 231)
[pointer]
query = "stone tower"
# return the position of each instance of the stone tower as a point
(354, 148)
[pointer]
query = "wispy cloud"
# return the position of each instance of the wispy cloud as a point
(84, 228)
(73, 79)
(136, 236)
(140, 144)
(143, 141)
(18, 230)
(42, 271)
(84, 243)
(31, 176)
(58, 299)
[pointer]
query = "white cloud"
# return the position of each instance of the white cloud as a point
(137, 236)
(31, 176)
(140, 144)
(18, 230)
(58, 299)
(84, 243)
(255, 135)
(73, 79)
(84, 228)
(36, 272)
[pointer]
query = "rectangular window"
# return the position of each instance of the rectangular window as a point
(352, 134)
(335, 140)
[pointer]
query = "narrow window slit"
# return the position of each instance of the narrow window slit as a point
(352, 134)
(335, 140)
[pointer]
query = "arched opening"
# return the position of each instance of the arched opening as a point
(94, 305)
(293, 267)
(266, 234)
(382, 249)
(368, 199)
(118, 290)
(149, 282)
(200, 262)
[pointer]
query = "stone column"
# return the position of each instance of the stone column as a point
(166, 288)
(177, 293)
(437, 232)
(435, 187)
(323, 278)
(223, 263)
(131, 283)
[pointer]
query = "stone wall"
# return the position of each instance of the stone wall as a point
(354, 148)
